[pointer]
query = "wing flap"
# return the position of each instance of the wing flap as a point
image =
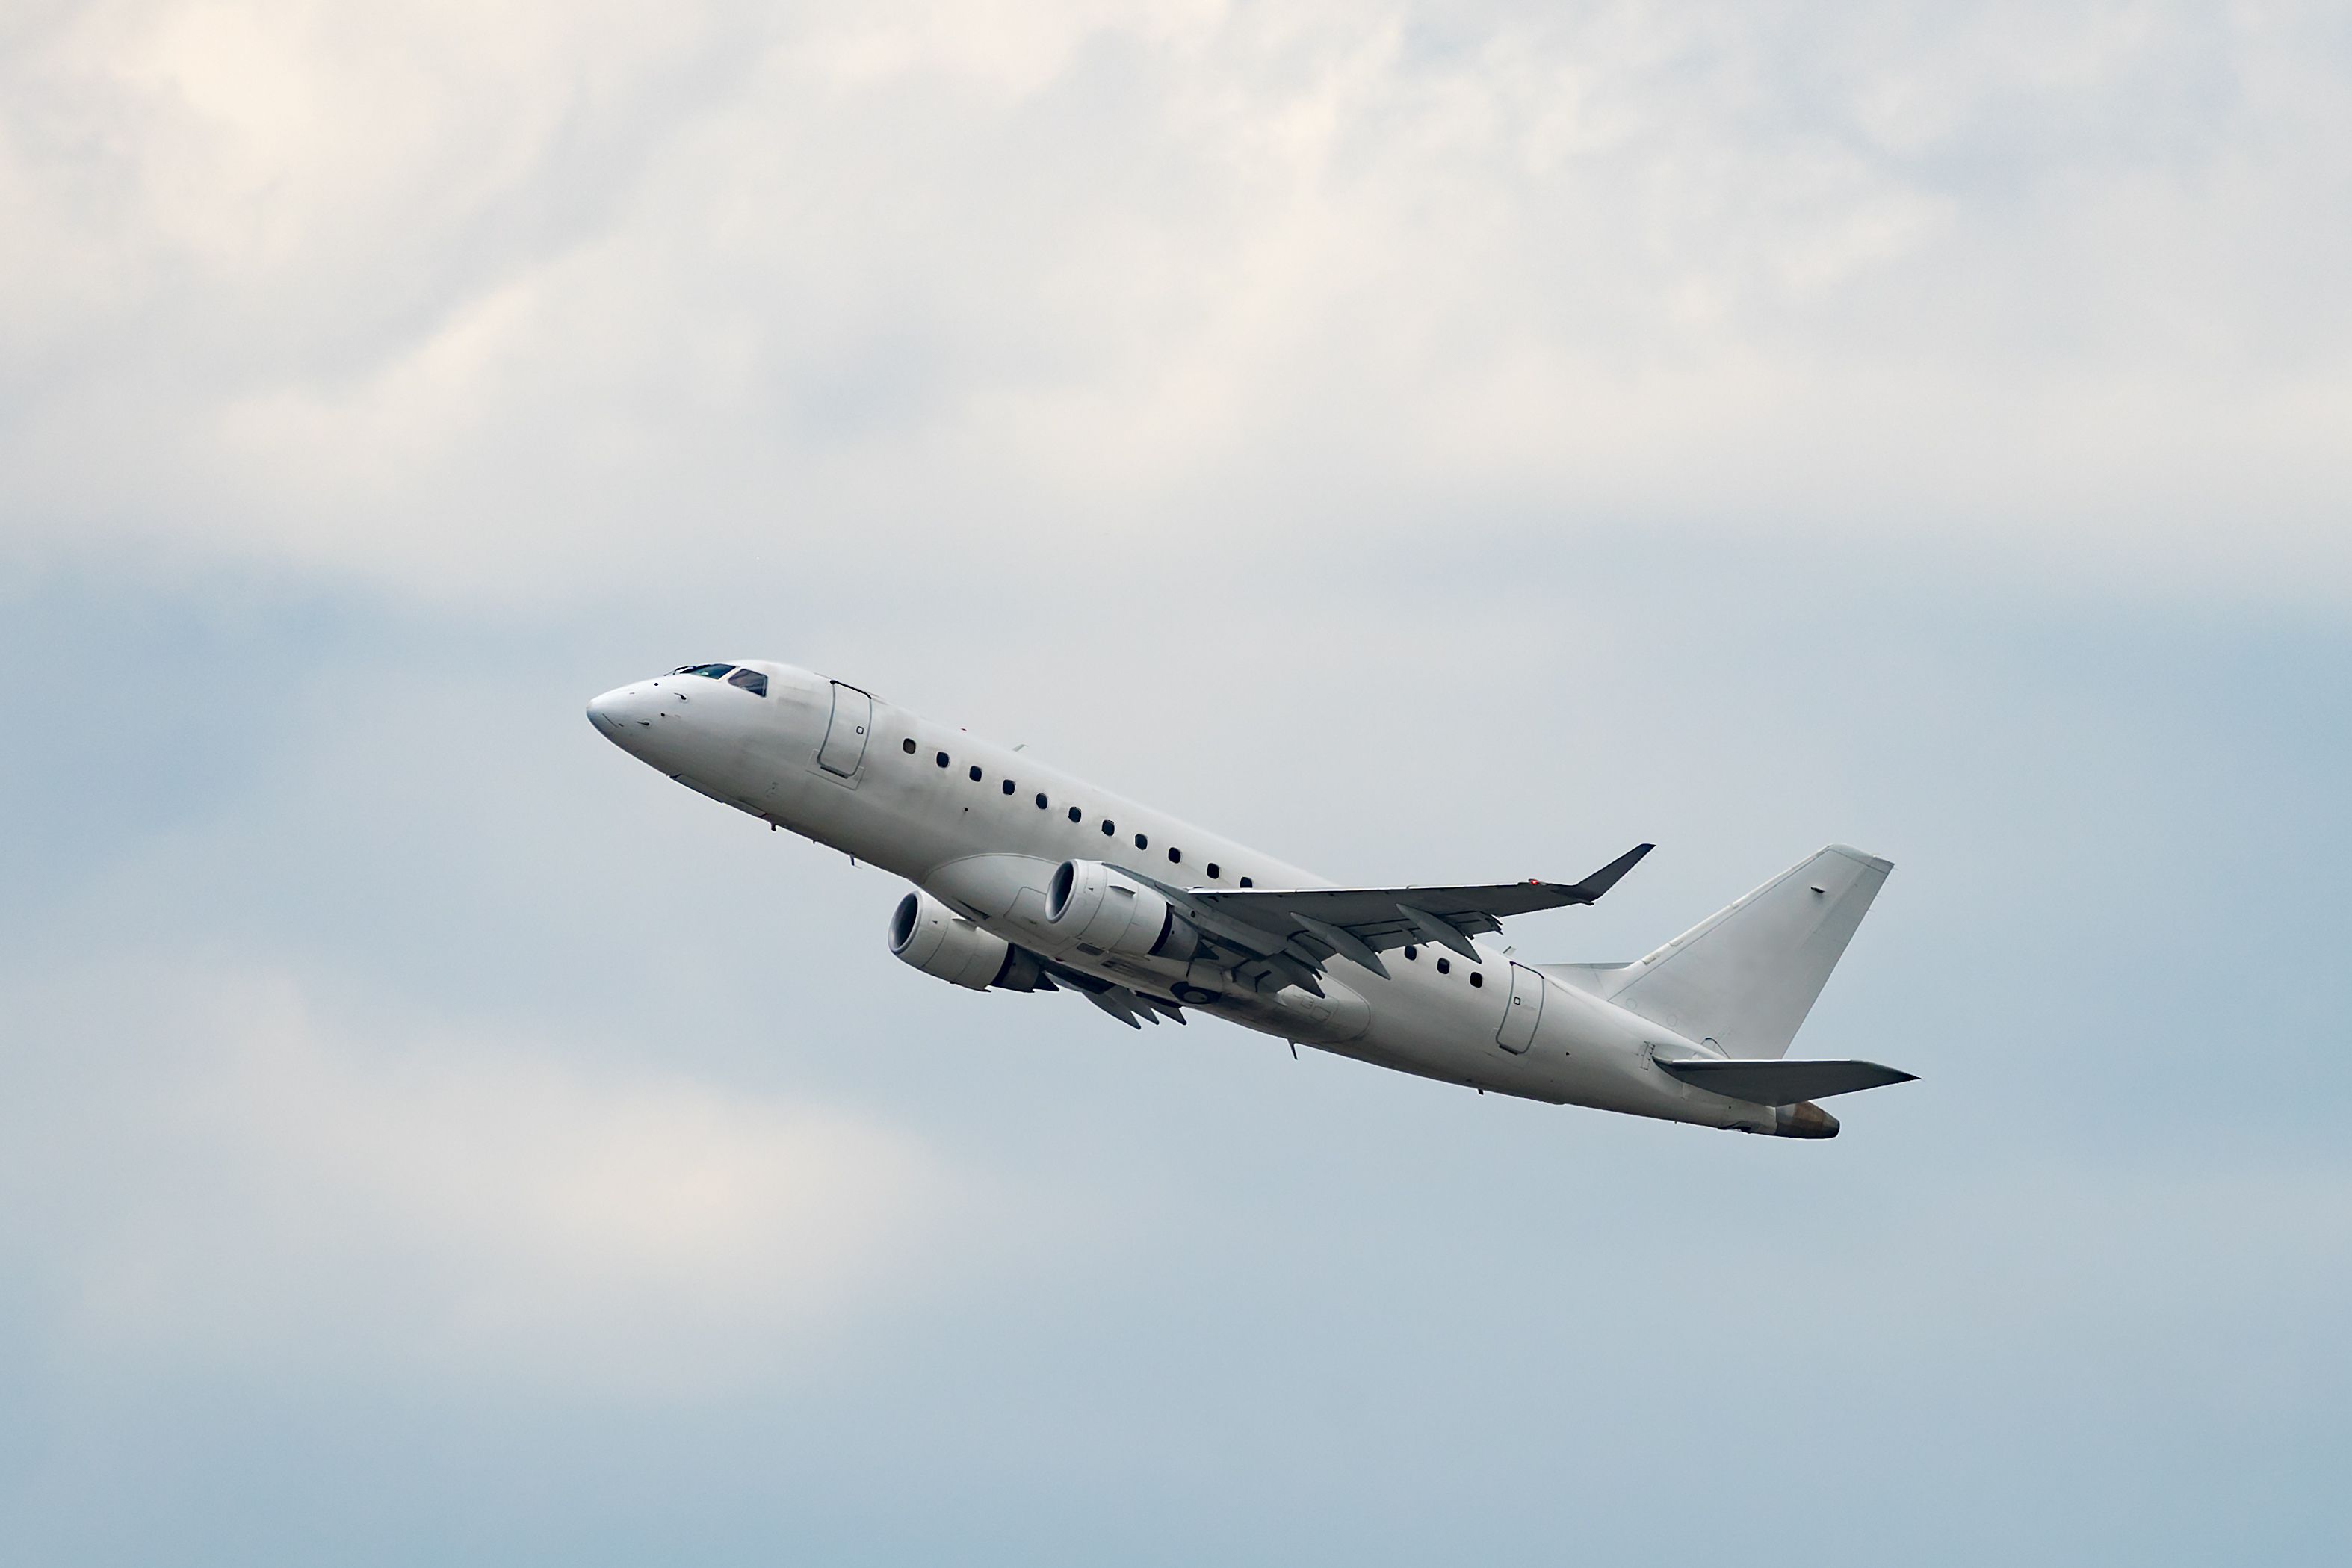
(1130, 1006)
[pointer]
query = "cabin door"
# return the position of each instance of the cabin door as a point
(1518, 1031)
(845, 737)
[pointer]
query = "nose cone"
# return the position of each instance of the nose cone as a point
(625, 716)
(604, 712)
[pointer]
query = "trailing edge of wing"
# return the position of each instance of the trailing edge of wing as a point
(1785, 1082)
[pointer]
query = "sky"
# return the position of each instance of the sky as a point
(1432, 443)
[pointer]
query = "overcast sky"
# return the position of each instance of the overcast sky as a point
(1432, 442)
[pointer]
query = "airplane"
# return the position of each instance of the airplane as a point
(1026, 879)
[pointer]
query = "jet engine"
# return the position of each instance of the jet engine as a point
(938, 941)
(1107, 910)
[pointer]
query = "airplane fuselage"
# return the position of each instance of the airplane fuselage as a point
(983, 829)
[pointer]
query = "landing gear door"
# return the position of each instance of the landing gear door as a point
(1518, 1031)
(844, 736)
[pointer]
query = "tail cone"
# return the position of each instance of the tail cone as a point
(1803, 1120)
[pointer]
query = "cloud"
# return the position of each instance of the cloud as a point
(1431, 441)
(489, 303)
(234, 1182)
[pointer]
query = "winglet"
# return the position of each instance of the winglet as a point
(1608, 877)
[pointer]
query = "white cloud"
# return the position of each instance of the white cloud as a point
(482, 300)
(234, 1184)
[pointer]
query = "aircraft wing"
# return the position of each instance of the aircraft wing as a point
(1294, 932)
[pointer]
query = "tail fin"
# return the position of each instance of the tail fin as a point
(1746, 976)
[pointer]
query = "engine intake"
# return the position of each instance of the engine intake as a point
(1105, 909)
(938, 941)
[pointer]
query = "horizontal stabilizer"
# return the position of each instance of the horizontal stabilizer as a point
(1784, 1083)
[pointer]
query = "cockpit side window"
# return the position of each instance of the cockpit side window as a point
(752, 681)
(715, 671)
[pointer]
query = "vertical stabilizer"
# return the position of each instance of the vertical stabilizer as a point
(1746, 976)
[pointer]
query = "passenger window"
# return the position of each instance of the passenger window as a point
(1246, 882)
(1008, 785)
(1041, 802)
(1445, 967)
(943, 759)
(1077, 815)
(752, 681)
(1476, 978)
(1109, 827)
(1142, 842)
(975, 773)
(907, 746)
(1175, 856)
(1213, 871)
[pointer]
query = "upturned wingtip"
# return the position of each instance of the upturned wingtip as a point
(1608, 877)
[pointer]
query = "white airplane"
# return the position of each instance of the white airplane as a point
(1028, 880)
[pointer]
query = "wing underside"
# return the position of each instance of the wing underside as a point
(1131, 1005)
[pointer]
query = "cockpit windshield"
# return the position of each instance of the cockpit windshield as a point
(752, 681)
(715, 671)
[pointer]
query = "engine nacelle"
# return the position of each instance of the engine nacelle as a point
(1090, 902)
(938, 941)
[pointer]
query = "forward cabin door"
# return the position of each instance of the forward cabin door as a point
(845, 737)
(1518, 1031)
